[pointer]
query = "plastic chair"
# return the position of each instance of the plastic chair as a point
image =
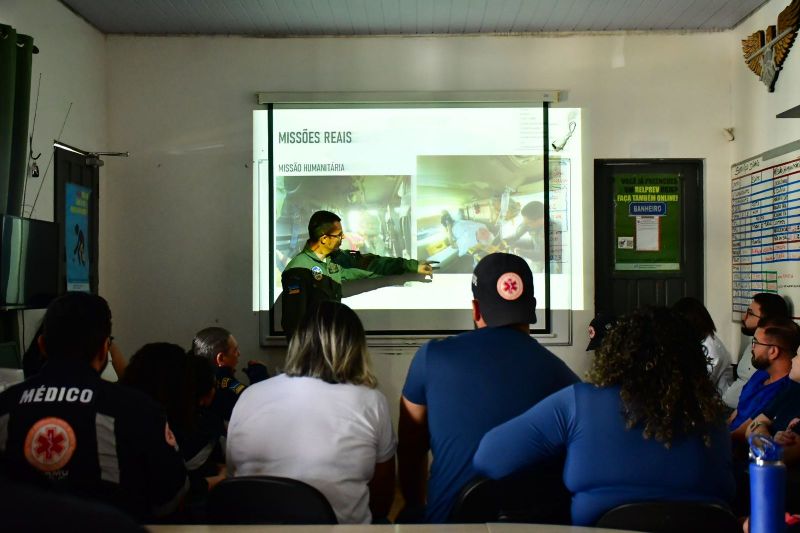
(669, 517)
(540, 499)
(267, 500)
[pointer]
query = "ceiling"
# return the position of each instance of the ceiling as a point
(282, 18)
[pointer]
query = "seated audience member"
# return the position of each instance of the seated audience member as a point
(599, 327)
(650, 425)
(220, 347)
(720, 369)
(764, 305)
(781, 417)
(460, 387)
(67, 429)
(774, 345)
(33, 359)
(323, 422)
(184, 385)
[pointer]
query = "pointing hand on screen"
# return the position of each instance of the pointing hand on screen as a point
(425, 268)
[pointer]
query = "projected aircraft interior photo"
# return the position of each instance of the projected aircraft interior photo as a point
(471, 206)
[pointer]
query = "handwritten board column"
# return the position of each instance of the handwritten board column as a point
(765, 222)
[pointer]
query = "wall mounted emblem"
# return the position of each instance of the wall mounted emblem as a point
(766, 51)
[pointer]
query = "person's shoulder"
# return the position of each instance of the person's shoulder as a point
(127, 402)
(300, 261)
(469, 340)
(10, 396)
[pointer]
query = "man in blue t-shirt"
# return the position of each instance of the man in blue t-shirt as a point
(774, 343)
(460, 387)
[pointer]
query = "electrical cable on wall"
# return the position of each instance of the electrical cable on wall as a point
(49, 162)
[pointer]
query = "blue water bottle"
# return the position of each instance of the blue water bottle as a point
(767, 486)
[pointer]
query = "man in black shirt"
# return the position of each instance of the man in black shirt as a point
(68, 430)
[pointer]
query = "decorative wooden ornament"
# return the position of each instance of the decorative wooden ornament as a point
(765, 52)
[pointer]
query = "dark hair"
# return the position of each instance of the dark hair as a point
(782, 331)
(209, 342)
(76, 325)
(201, 374)
(771, 305)
(661, 371)
(330, 345)
(533, 210)
(320, 224)
(446, 220)
(159, 370)
(696, 314)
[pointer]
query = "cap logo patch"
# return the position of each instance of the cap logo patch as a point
(50, 444)
(509, 286)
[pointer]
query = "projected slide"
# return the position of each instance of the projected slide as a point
(446, 185)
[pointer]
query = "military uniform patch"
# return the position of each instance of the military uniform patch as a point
(293, 289)
(317, 272)
(333, 268)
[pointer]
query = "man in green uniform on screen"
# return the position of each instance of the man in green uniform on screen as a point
(317, 273)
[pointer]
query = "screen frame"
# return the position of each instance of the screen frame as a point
(558, 322)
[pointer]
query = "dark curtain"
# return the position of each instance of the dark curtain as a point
(16, 63)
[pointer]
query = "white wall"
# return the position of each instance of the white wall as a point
(72, 64)
(177, 235)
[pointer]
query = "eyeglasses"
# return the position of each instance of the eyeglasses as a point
(754, 342)
(340, 236)
(751, 313)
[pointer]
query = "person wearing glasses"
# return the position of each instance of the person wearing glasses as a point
(781, 418)
(316, 274)
(774, 344)
(764, 305)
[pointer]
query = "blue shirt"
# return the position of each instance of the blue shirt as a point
(607, 465)
(471, 383)
(756, 396)
(784, 408)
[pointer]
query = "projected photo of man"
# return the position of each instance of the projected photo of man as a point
(470, 206)
(375, 209)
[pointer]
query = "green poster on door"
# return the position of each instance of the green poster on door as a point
(647, 222)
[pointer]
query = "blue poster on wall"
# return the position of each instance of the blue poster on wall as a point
(76, 237)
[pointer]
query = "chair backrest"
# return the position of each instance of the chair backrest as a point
(267, 500)
(540, 499)
(669, 517)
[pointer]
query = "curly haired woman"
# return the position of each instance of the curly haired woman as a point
(649, 426)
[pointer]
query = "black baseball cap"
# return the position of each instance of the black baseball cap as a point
(503, 285)
(601, 324)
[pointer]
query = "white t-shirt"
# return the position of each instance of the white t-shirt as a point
(744, 371)
(327, 435)
(720, 370)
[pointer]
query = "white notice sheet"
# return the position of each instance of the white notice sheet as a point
(647, 234)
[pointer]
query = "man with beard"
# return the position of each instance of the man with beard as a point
(764, 305)
(316, 274)
(774, 344)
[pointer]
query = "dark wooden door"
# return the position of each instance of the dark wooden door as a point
(648, 233)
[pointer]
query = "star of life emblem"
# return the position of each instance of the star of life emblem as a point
(50, 444)
(509, 286)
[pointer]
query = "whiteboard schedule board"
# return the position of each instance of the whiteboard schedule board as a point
(765, 225)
